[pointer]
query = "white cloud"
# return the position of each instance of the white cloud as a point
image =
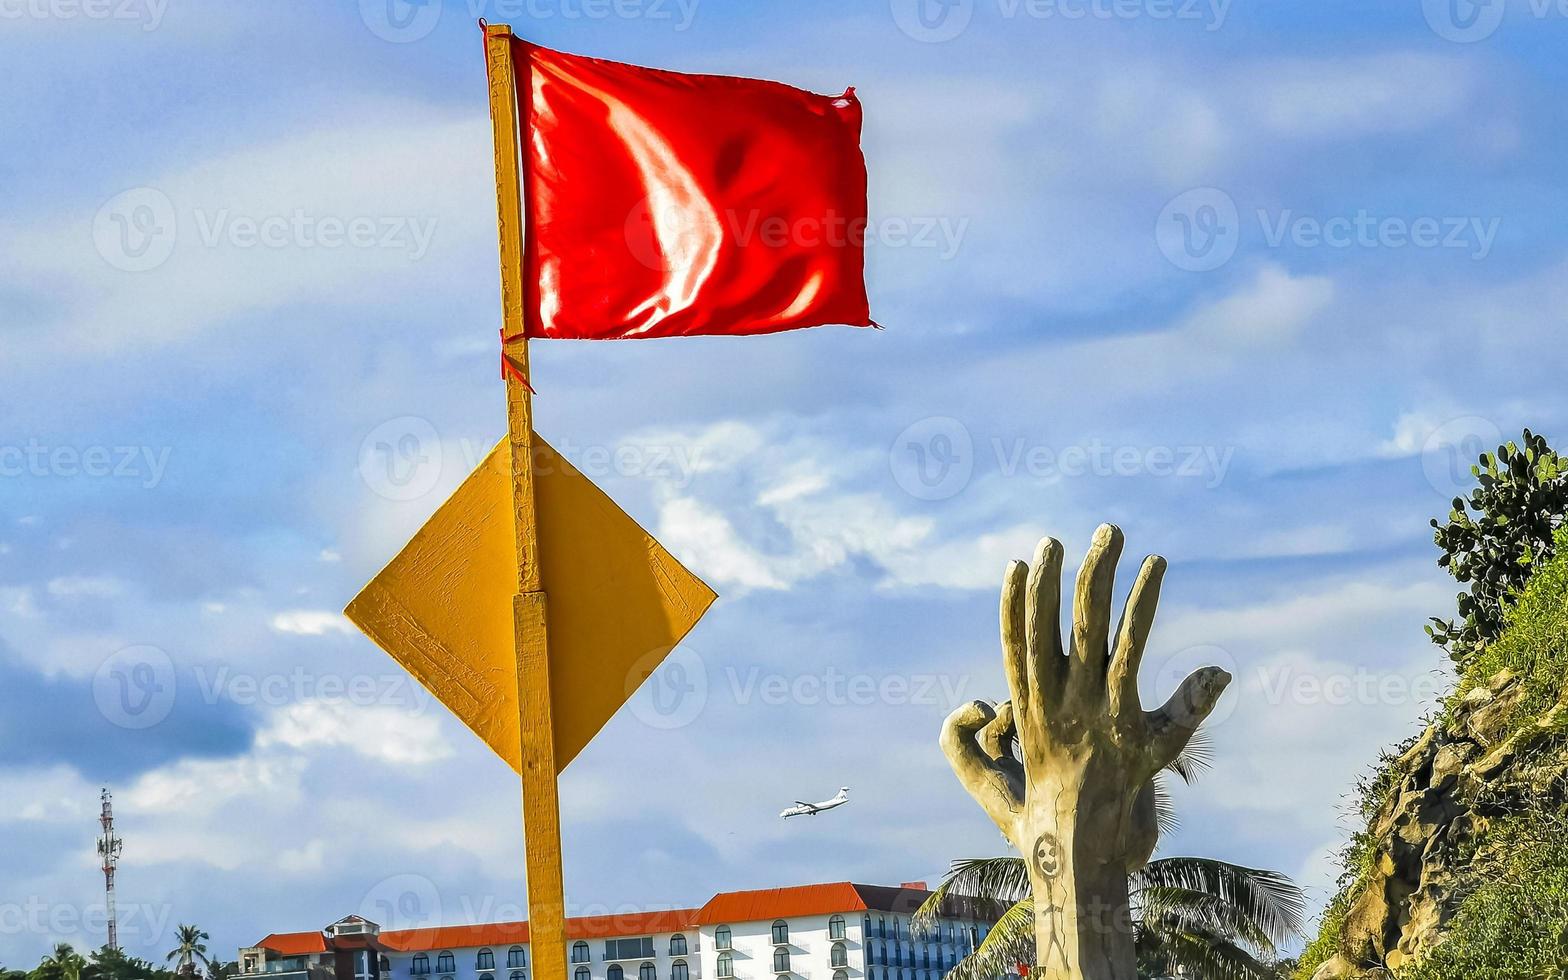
(84, 586)
(391, 734)
(311, 622)
(1348, 97)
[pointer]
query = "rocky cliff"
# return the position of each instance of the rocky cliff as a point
(1427, 840)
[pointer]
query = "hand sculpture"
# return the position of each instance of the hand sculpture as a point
(1076, 798)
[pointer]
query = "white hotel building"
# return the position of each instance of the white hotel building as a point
(838, 931)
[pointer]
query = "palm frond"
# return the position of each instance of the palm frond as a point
(1165, 818)
(1195, 759)
(992, 883)
(1268, 902)
(1196, 953)
(1009, 943)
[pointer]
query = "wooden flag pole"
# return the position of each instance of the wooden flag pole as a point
(541, 801)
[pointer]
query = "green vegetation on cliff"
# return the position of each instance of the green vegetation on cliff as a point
(1512, 919)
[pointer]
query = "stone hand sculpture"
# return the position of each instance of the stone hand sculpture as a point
(1076, 797)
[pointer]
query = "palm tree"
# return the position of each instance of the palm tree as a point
(65, 963)
(191, 949)
(1192, 917)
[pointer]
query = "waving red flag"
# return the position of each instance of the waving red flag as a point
(661, 204)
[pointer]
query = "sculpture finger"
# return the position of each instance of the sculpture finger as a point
(1131, 638)
(1043, 621)
(999, 736)
(1014, 644)
(997, 789)
(1092, 608)
(1173, 723)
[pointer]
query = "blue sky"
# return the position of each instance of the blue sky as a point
(1248, 281)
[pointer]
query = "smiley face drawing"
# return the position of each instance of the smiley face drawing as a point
(1047, 855)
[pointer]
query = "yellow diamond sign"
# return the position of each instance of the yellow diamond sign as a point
(617, 602)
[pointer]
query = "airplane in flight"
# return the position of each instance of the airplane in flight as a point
(804, 809)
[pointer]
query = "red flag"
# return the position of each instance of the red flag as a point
(662, 204)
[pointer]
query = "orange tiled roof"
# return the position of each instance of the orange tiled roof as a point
(798, 900)
(295, 943)
(510, 933)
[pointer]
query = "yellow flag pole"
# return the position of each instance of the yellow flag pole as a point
(541, 801)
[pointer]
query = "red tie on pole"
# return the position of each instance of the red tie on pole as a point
(661, 204)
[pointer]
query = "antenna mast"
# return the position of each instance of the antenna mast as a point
(109, 846)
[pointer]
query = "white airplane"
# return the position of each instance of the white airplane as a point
(804, 809)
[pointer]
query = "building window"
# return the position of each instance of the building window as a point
(581, 974)
(865, 928)
(486, 960)
(386, 966)
(516, 956)
(518, 975)
(647, 972)
(680, 971)
(615, 972)
(445, 963)
(678, 944)
(721, 938)
(882, 926)
(780, 932)
(726, 965)
(836, 927)
(579, 952)
(781, 959)
(884, 954)
(840, 975)
(974, 937)
(421, 965)
(838, 956)
(487, 976)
